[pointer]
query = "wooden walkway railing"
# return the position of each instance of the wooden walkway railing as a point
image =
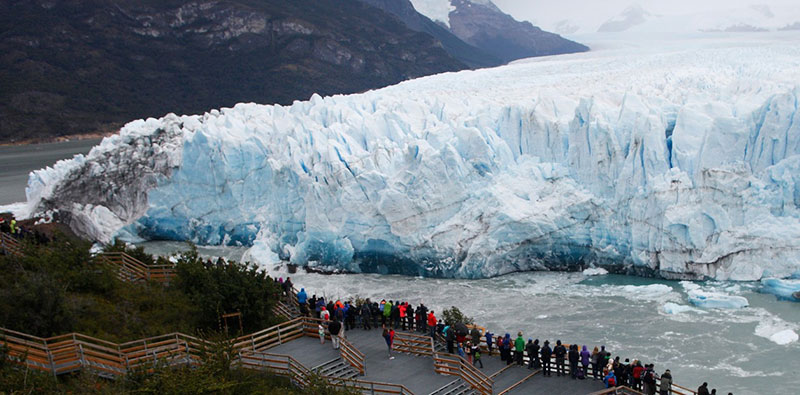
(131, 269)
(454, 365)
(73, 351)
(9, 245)
(412, 343)
(301, 376)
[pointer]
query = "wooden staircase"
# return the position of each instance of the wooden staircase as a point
(455, 387)
(336, 368)
(10, 245)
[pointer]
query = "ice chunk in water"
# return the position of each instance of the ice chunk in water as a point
(783, 289)
(716, 300)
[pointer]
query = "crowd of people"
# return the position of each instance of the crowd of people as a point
(10, 226)
(469, 342)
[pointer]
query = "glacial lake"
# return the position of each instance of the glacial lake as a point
(17, 161)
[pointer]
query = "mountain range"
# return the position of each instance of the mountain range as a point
(88, 66)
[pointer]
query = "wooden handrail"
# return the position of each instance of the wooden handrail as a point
(132, 269)
(285, 365)
(413, 344)
(455, 365)
(10, 245)
(353, 356)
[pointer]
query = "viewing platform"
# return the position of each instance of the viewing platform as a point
(420, 364)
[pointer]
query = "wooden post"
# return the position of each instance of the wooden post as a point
(50, 358)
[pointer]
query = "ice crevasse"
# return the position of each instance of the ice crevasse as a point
(683, 163)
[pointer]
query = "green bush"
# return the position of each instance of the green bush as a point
(227, 288)
(454, 316)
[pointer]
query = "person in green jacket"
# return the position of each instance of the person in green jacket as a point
(387, 312)
(519, 347)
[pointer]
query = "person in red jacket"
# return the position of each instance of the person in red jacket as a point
(402, 308)
(432, 324)
(637, 375)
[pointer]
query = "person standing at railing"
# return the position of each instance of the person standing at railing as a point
(703, 389)
(318, 309)
(519, 348)
(636, 376)
(596, 361)
(301, 301)
(422, 313)
(529, 350)
(401, 311)
(394, 314)
(432, 324)
(410, 317)
(366, 315)
(649, 380)
(560, 351)
(387, 313)
(666, 383)
(574, 356)
(506, 348)
(546, 355)
(585, 359)
(489, 337)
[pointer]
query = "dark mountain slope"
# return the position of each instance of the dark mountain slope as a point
(488, 28)
(80, 66)
(404, 10)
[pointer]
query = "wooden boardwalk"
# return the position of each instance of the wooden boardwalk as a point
(417, 373)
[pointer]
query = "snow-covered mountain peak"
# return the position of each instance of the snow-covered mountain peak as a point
(439, 10)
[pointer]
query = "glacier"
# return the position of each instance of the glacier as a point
(680, 162)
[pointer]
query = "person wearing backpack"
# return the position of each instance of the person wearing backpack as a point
(574, 356)
(475, 349)
(610, 379)
(649, 380)
(531, 353)
(335, 328)
(560, 351)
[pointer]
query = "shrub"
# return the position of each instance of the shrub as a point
(454, 316)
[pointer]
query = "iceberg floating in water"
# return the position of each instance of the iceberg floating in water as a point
(674, 308)
(784, 337)
(716, 300)
(684, 163)
(595, 271)
(783, 289)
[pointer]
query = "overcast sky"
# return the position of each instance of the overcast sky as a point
(546, 13)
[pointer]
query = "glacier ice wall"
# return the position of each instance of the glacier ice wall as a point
(684, 163)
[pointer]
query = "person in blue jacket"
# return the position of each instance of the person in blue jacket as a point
(301, 300)
(610, 379)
